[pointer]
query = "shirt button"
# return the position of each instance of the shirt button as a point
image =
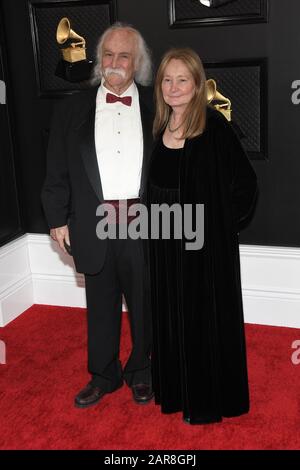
(119, 132)
(118, 151)
(119, 114)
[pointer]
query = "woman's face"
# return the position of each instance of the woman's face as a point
(178, 86)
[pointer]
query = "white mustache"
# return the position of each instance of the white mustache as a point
(109, 71)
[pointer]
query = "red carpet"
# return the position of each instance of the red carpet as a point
(46, 367)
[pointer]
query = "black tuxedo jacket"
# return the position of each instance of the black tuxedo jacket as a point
(72, 190)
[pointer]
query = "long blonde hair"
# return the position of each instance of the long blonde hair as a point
(195, 114)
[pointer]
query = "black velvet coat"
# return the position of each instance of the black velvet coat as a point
(216, 172)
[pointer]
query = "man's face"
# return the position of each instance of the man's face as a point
(118, 60)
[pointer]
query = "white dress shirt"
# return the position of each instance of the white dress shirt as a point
(119, 144)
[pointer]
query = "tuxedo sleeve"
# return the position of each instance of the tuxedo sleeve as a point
(56, 189)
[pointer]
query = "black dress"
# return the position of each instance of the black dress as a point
(165, 270)
(199, 350)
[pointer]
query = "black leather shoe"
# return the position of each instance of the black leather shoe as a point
(142, 393)
(91, 395)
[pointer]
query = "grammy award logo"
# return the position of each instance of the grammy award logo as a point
(222, 104)
(217, 100)
(74, 65)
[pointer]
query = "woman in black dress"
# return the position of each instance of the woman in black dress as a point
(199, 355)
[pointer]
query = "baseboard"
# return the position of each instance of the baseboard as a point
(54, 278)
(16, 289)
(270, 280)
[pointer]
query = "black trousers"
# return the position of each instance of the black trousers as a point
(123, 273)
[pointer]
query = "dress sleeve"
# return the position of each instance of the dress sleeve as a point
(242, 178)
(244, 187)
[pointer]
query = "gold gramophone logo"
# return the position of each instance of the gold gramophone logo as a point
(217, 100)
(74, 49)
(74, 66)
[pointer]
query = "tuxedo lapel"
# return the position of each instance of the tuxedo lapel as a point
(86, 134)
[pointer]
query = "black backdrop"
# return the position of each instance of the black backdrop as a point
(276, 221)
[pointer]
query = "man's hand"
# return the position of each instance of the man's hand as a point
(61, 234)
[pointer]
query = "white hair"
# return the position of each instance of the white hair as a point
(143, 63)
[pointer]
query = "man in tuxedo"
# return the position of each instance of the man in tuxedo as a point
(98, 149)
